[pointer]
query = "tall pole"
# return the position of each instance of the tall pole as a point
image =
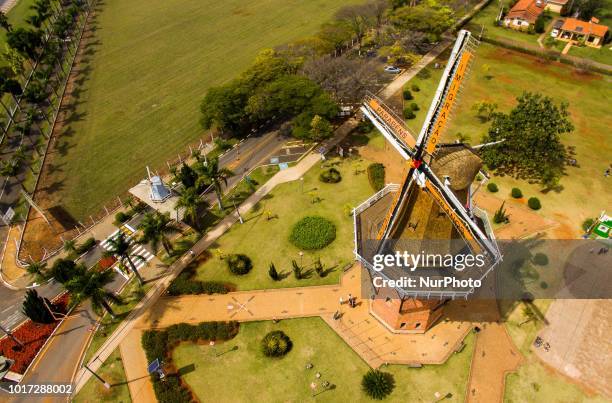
(10, 335)
(106, 384)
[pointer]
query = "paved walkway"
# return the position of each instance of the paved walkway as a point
(364, 334)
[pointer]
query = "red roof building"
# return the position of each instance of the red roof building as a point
(588, 32)
(524, 13)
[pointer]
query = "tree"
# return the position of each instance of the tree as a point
(25, 41)
(187, 176)
(588, 8)
(485, 110)
(429, 17)
(540, 24)
(69, 247)
(121, 247)
(358, 17)
(190, 202)
(337, 34)
(4, 22)
(37, 270)
(36, 308)
(377, 384)
(397, 54)
(155, 229)
(91, 285)
(211, 174)
(532, 145)
(65, 269)
(320, 128)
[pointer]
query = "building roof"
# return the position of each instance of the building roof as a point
(528, 10)
(584, 27)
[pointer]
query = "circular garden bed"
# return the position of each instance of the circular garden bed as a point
(312, 233)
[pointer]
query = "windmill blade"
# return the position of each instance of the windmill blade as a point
(389, 125)
(446, 94)
(396, 206)
(476, 239)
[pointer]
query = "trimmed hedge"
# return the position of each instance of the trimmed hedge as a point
(185, 283)
(415, 88)
(409, 113)
(540, 259)
(331, 175)
(492, 187)
(534, 203)
(239, 264)
(516, 193)
(376, 175)
(276, 344)
(414, 106)
(313, 232)
(407, 95)
(159, 344)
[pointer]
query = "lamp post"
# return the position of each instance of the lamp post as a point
(98, 377)
(237, 211)
(10, 335)
(301, 256)
(301, 184)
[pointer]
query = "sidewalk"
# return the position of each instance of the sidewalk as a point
(369, 338)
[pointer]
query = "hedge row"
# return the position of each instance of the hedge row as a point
(183, 285)
(376, 175)
(159, 344)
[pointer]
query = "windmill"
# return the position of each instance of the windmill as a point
(424, 155)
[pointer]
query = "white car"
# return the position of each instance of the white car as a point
(392, 70)
(554, 33)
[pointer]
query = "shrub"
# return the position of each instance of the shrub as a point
(273, 273)
(318, 266)
(492, 187)
(500, 215)
(540, 259)
(183, 285)
(297, 270)
(534, 203)
(85, 246)
(377, 384)
(409, 113)
(331, 175)
(276, 344)
(415, 88)
(122, 217)
(239, 264)
(376, 176)
(414, 106)
(543, 285)
(516, 193)
(34, 307)
(407, 95)
(588, 223)
(313, 232)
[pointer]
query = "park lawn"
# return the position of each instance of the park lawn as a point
(144, 76)
(267, 240)
(583, 192)
(112, 372)
(287, 379)
(601, 55)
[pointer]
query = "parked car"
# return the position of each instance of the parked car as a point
(554, 33)
(392, 70)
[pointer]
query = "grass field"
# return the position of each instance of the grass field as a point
(146, 72)
(266, 241)
(584, 190)
(112, 372)
(239, 375)
(16, 17)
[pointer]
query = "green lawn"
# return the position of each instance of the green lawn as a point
(584, 190)
(16, 17)
(267, 240)
(112, 372)
(240, 375)
(145, 74)
(601, 55)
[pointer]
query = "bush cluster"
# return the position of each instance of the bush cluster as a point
(492, 187)
(159, 344)
(414, 106)
(376, 176)
(276, 344)
(540, 259)
(239, 264)
(407, 95)
(516, 193)
(85, 246)
(409, 113)
(313, 232)
(183, 285)
(331, 175)
(534, 203)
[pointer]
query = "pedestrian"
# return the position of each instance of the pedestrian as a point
(607, 172)
(350, 297)
(341, 301)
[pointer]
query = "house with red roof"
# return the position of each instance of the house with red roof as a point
(588, 32)
(524, 13)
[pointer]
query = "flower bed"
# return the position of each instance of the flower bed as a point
(33, 336)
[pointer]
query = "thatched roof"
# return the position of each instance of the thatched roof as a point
(459, 163)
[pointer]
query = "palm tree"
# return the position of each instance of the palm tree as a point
(90, 285)
(211, 174)
(156, 227)
(37, 270)
(70, 247)
(191, 202)
(121, 247)
(4, 22)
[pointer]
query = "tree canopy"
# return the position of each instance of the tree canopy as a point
(532, 147)
(429, 17)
